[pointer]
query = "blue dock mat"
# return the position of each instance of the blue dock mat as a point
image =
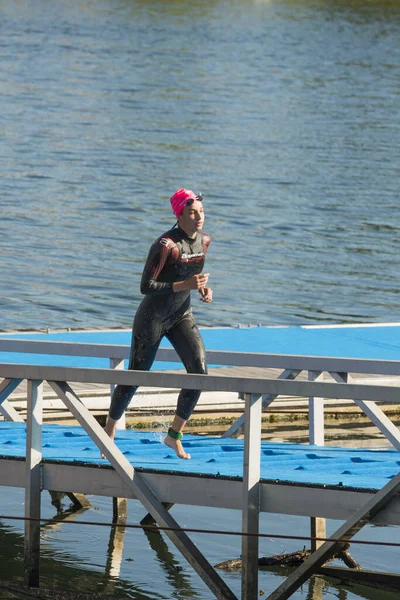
(332, 466)
(363, 341)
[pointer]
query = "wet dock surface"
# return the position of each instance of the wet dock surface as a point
(332, 466)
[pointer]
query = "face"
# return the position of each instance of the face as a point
(191, 219)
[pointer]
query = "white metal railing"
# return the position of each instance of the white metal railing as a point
(258, 392)
(220, 357)
(253, 385)
(317, 368)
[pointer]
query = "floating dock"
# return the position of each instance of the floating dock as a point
(356, 486)
(213, 457)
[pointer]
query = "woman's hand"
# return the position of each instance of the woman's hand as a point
(195, 282)
(206, 294)
(198, 282)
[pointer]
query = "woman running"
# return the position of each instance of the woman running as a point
(173, 268)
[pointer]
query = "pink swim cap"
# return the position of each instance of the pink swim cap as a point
(180, 199)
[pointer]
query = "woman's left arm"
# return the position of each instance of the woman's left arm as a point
(206, 292)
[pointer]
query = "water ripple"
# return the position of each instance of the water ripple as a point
(108, 109)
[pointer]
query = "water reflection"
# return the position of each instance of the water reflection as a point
(55, 573)
(177, 579)
(71, 572)
(114, 555)
(316, 588)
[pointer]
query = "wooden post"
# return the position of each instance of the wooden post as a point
(118, 363)
(33, 481)
(120, 511)
(251, 495)
(318, 530)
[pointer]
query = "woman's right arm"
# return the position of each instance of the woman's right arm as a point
(156, 260)
(162, 250)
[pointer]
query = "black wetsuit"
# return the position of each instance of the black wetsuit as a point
(173, 257)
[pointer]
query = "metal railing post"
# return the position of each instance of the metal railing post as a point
(251, 495)
(316, 436)
(117, 363)
(316, 413)
(33, 481)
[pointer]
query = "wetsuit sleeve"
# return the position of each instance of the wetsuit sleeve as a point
(206, 242)
(159, 253)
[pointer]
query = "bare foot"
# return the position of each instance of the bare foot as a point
(176, 445)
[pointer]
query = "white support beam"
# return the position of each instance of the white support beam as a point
(9, 412)
(136, 483)
(250, 385)
(344, 533)
(303, 500)
(7, 387)
(376, 414)
(221, 357)
(316, 413)
(267, 399)
(64, 348)
(251, 496)
(33, 482)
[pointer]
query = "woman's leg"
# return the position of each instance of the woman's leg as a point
(143, 352)
(188, 343)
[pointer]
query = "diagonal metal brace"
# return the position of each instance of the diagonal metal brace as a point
(376, 414)
(236, 428)
(344, 533)
(7, 387)
(141, 490)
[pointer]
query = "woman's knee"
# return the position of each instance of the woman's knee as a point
(197, 364)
